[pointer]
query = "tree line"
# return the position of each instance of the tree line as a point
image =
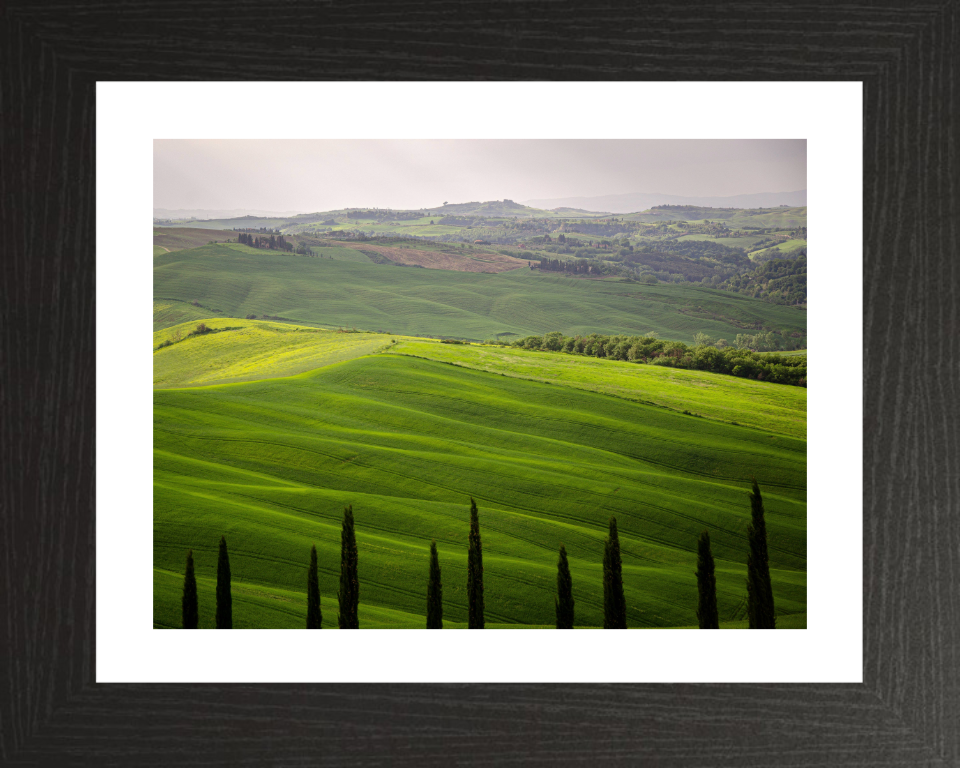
(716, 356)
(699, 249)
(273, 243)
(578, 267)
(760, 607)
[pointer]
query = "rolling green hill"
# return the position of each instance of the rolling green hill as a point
(787, 246)
(776, 218)
(406, 440)
(489, 208)
(172, 312)
(383, 219)
(234, 281)
(245, 350)
(750, 403)
(730, 242)
(250, 350)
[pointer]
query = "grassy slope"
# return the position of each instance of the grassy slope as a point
(252, 349)
(337, 253)
(750, 403)
(770, 218)
(235, 281)
(171, 312)
(271, 464)
(414, 227)
(787, 246)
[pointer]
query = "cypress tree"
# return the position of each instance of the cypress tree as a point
(434, 591)
(706, 585)
(314, 616)
(759, 591)
(614, 603)
(474, 572)
(349, 594)
(564, 600)
(224, 601)
(191, 612)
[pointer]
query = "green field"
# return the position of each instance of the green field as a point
(730, 242)
(733, 218)
(770, 218)
(787, 246)
(725, 398)
(415, 227)
(406, 440)
(171, 312)
(250, 350)
(245, 350)
(234, 281)
(337, 253)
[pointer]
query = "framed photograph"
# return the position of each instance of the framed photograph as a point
(319, 374)
(609, 380)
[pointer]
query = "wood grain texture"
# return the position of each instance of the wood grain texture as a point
(907, 713)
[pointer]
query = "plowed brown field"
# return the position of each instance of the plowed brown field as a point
(182, 238)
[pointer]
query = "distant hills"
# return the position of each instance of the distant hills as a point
(561, 206)
(641, 201)
(491, 208)
(567, 207)
(209, 213)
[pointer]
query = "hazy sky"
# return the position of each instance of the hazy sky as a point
(325, 174)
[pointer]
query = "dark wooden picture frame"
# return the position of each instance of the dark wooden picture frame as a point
(906, 712)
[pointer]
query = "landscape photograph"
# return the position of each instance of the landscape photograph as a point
(480, 384)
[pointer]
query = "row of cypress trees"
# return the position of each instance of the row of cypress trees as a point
(190, 605)
(349, 595)
(759, 591)
(760, 610)
(475, 618)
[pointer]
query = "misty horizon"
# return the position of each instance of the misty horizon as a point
(307, 176)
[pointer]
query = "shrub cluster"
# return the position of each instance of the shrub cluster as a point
(778, 281)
